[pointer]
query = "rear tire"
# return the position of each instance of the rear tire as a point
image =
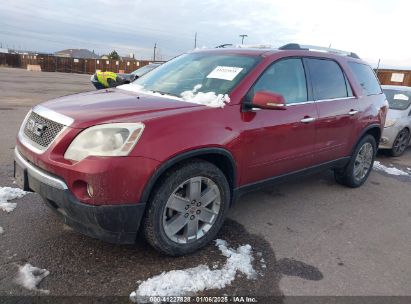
(400, 143)
(358, 169)
(187, 208)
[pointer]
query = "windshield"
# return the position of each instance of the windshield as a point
(145, 69)
(398, 100)
(196, 73)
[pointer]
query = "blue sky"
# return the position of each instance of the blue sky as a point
(373, 29)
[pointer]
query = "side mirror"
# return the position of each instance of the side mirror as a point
(269, 101)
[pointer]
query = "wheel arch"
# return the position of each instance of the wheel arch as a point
(220, 157)
(373, 130)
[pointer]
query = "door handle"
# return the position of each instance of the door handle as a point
(353, 112)
(307, 119)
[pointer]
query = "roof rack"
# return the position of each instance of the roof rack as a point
(296, 46)
(222, 46)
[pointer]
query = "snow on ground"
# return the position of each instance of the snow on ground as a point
(29, 277)
(389, 170)
(192, 280)
(210, 99)
(7, 194)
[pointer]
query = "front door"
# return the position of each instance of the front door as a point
(280, 141)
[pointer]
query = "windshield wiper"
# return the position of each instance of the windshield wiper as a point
(164, 93)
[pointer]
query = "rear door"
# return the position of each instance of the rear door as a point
(280, 141)
(338, 109)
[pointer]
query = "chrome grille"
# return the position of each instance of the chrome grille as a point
(48, 133)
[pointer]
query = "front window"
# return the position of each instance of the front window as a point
(397, 99)
(285, 77)
(198, 73)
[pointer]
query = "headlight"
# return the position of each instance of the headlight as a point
(116, 139)
(389, 123)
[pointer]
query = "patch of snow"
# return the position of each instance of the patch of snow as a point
(210, 99)
(29, 277)
(389, 170)
(7, 194)
(192, 280)
(263, 264)
(1, 230)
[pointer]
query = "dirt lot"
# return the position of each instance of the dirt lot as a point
(317, 238)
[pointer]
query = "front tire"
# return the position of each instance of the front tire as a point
(187, 208)
(358, 169)
(400, 143)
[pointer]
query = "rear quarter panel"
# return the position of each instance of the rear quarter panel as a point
(372, 109)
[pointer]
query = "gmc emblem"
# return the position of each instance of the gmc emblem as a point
(35, 127)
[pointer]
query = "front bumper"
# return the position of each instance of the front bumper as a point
(388, 137)
(111, 223)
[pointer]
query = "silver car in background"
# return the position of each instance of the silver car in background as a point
(396, 134)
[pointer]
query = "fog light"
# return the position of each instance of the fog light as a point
(90, 190)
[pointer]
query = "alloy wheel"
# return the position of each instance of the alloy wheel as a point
(363, 161)
(191, 210)
(401, 142)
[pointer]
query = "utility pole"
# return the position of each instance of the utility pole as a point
(242, 38)
(154, 55)
(195, 40)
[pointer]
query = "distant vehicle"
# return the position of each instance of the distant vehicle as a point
(106, 80)
(170, 152)
(396, 134)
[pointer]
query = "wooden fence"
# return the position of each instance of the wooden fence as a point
(50, 63)
(395, 77)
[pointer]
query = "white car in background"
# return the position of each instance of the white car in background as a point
(397, 129)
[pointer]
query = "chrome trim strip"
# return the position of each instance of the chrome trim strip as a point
(37, 173)
(320, 100)
(298, 103)
(333, 99)
(52, 115)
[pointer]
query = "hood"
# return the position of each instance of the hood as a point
(110, 105)
(397, 114)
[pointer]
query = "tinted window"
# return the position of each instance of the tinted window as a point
(327, 79)
(397, 99)
(285, 77)
(366, 78)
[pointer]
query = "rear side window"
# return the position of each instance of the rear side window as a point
(366, 78)
(327, 78)
(285, 77)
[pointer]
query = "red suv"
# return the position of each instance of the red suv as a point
(170, 153)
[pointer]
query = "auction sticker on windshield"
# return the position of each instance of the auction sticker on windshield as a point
(225, 73)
